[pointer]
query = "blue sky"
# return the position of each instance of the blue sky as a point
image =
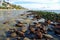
(37, 4)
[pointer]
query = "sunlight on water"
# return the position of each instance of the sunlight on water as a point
(7, 14)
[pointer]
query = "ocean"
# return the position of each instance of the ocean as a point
(56, 11)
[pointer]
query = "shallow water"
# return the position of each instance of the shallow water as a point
(56, 37)
(8, 14)
(11, 14)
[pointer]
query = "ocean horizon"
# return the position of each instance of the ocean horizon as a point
(56, 11)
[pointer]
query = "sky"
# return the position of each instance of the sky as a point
(37, 4)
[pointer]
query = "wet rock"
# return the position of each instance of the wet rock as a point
(6, 22)
(48, 36)
(26, 38)
(13, 35)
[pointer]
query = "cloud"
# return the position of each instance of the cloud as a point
(42, 6)
(38, 4)
(25, 2)
(34, 1)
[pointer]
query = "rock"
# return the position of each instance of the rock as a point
(13, 35)
(24, 29)
(7, 38)
(48, 36)
(26, 38)
(6, 22)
